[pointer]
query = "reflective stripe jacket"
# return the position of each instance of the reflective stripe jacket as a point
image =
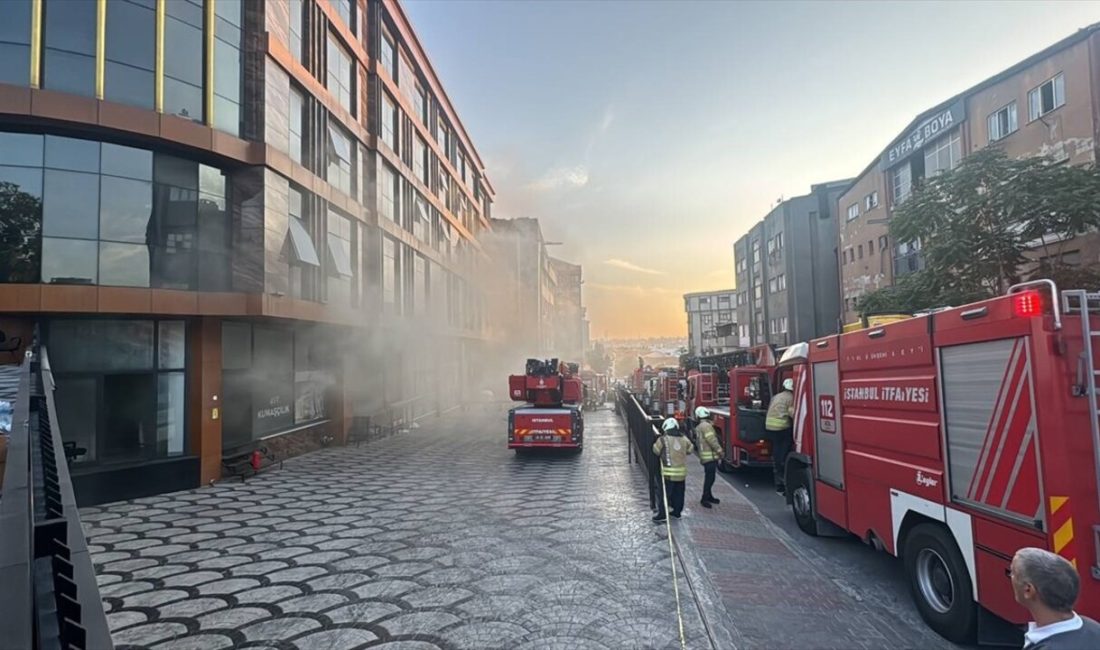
(707, 437)
(673, 451)
(780, 412)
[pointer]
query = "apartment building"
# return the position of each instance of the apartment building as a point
(785, 293)
(1046, 104)
(711, 322)
(232, 223)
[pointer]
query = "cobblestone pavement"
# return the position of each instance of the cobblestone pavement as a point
(436, 538)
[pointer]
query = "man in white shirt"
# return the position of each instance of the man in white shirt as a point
(1047, 585)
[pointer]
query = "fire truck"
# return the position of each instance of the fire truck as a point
(735, 387)
(639, 379)
(664, 393)
(953, 439)
(551, 416)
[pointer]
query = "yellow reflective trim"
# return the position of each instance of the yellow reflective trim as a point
(100, 45)
(1063, 536)
(208, 94)
(1056, 503)
(158, 100)
(36, 43)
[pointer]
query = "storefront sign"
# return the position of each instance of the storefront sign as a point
(273, 413)
(925, 132)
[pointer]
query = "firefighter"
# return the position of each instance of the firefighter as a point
(778, 423)
(710, 450)
(673, 448)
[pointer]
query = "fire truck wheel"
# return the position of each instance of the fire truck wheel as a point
(939, 582)
(801, 496)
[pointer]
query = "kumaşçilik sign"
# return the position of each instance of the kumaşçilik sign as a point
(925, 132)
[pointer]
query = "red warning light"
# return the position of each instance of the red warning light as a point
(1027, 304)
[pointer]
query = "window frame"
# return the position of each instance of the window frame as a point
(1057, 82)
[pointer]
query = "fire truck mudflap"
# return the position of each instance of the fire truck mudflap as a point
(954, 439)
(545, 427)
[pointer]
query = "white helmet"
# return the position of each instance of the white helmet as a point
(702, 413)
(670, 425)
(788, 384)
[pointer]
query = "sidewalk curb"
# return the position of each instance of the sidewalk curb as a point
(719, 625)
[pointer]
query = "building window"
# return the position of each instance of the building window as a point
(779, 241)
(421, 225)
(390, 272)
(297, 14)
(344, 10)
(183, 59)
(130, 53)
(122, 399)
(340, 159)
(756, 251)
(853, 211)
(706, 319)
(843, 258)
(303, 261)
(1002, 123)
(870, 201)
(772, 287)
(340, 80)
(295, 115)
(901, 182)
(341, 269)
(388, 53)
(420, 285)
(1047, 97)
(111, 215)
(783, 325)
(15, 43)
(70, 47)
(312, 377)
(227, 66)
(420, 104)
(389, 122)
(870, 247)
(757, 291)
(944, 155)
(420, 160)
(883, 242)
(861, 251)
(387, 193)
(781, 282)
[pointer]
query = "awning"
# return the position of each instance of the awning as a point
(302, 244)
(339, 255)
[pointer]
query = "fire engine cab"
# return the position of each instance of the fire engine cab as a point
(953, 439)
(736, 389)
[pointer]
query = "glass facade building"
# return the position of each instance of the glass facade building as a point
(196, 218)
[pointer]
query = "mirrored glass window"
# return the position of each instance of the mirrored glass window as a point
(130, 50)
(123, 265)
(15, 43)
(69, 261)
(69, 38)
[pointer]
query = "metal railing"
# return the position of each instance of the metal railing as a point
(49, 597)
(642, 431)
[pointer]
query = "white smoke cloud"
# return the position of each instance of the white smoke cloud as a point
(630, 266)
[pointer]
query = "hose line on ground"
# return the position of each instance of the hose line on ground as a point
(672, 563)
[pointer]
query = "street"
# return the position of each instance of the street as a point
(436, 538)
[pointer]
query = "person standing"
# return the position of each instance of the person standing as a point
(1047, 585)
(710, 450)
(673, 448)
(778, 423)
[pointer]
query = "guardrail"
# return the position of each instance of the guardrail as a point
(49, 598)
(642, 430)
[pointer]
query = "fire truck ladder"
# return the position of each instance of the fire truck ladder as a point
(1084, 303)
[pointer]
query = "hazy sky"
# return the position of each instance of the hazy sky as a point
(649, 135)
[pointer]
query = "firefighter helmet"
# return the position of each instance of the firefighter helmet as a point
(702, 413)
(788, 384)
(670, 425)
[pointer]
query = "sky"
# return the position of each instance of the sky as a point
(647, 136)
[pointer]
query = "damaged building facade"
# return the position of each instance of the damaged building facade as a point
(1047, 104)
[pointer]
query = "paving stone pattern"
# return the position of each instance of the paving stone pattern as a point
(436, 538)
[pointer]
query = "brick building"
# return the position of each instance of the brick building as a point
(233, 222)
(1047, 104)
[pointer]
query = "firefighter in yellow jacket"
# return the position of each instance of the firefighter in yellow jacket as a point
(778, 424)
(673, 448)
(710, 451)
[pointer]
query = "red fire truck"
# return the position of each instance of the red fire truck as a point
(552, 415)
(736, 388)
(664, 393)
(953, 439)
